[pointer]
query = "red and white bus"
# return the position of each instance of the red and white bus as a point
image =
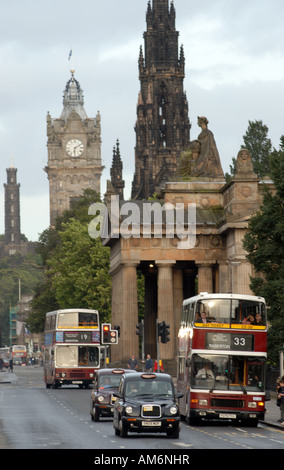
(222, 357)
(19, 354)
(72, 347)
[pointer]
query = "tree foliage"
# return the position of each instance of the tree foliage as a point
(259, 145)
(76, 266)
(256, 141)
(264, 243)
(15, 269)
(79, 268)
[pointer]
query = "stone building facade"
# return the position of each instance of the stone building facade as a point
(183, 173)
(173, 271)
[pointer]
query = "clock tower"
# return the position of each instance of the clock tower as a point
(74, 151)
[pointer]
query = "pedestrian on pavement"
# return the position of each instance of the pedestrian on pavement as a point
(149, 363)
(281, 397)
(1, 364)
(11, 365)
(133, 363)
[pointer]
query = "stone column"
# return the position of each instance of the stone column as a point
(130, 309)
(241, 272)
(177, 309)
(125, 311)
(224, 277)
(150, 314)
(205, 278)
(166, 304)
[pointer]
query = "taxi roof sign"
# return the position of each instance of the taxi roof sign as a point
(118, 371)
(148, 376)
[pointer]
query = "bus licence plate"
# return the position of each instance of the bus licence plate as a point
(227, 415)
(151, 423)
(77, 381)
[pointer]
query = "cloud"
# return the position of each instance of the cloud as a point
(216, 58)
(117, 52)
(234, 52)
(34, 213)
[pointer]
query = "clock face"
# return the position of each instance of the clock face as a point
(74, 147)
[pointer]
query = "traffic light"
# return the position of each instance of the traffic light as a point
(116, 327)
(161, 328)
(165, 336)
(106, 333)
(140, 329)
(163, 332)
(113, 336)
(109, 336)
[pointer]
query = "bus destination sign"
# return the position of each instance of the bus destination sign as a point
(77, 337)
(229, 342)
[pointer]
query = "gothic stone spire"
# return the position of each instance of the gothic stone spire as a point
(162, 125)
(116, 171)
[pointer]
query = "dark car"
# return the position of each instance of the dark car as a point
(146, 402)
(5, 362)
(105, 384)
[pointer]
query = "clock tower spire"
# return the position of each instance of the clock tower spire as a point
(74, 151)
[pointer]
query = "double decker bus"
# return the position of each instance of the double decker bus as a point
(222, 344)
(19, 354)
(71, 347)
(5, 356)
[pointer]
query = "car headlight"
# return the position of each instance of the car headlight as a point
(100, 398)
(173, 410)
(129, 410)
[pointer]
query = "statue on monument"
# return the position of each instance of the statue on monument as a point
(202, 156)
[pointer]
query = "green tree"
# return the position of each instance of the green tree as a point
(15, 269)
(264, 243)
(76, 266)
(259, 145)
(79, 268)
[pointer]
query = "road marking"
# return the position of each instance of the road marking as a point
(221, 438)
(182, 444)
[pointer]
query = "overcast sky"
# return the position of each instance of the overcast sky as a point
(234, 51)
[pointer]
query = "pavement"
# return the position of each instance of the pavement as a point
(272, 415)
(7, 377)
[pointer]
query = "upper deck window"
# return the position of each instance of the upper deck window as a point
(227, 313)
(71, 320)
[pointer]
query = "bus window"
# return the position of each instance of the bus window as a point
(255, 375)
(222, 372)
(67, 320)
(213, 311)
(67, 356)
(249, 313)
(191, 314)
(52, 322)
(87, 320)
(88, 356)
(181, 368)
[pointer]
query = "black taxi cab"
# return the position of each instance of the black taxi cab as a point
(105, 384)
(146, 403)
